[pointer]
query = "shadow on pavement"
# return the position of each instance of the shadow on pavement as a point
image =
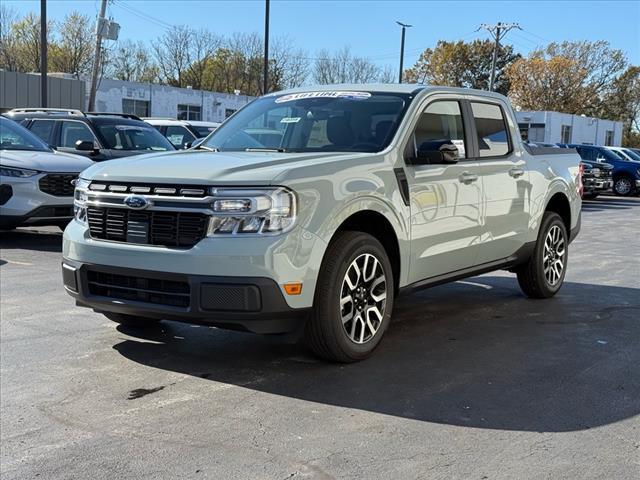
(41, 240)
(474, 354)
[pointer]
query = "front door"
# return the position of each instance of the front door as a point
(445, 198)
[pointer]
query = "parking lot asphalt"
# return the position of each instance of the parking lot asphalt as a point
(472, 381)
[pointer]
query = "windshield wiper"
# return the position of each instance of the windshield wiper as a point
(204, 147)
(265, 149)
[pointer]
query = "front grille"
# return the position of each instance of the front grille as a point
(170, 229)
(58, 184)
(148, 290)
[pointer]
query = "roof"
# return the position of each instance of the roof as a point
(404, 88)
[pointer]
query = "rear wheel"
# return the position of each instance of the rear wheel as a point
(132, 320)
(543, 274)
(623, 186)
(354, 299)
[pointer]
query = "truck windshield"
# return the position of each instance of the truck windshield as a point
(321, 121)
(133, 137)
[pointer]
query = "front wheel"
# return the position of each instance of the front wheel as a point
(623, 186)
(354, 299)
(543, 274)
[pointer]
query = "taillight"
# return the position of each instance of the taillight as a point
(580, 185)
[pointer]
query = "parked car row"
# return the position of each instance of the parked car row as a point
(44, 150)
(606, 168)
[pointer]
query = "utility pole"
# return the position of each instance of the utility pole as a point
(265, 78)
(404, 28)
(497, 31)
(43, 53)
(100, 25)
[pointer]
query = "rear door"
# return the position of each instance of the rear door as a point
(505, 181)
(444, 198)
(44, 129)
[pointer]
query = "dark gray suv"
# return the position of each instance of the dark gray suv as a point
(99, 136)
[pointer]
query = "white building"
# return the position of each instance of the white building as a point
(151, 100)
(556, 127)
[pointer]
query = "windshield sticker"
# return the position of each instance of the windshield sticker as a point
(330, 94)
(290, 120)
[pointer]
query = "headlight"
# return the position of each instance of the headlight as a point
(80, 201)
(265, 211)
(17, 172)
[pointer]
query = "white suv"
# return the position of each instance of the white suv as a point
(36, 182)
(182, 133)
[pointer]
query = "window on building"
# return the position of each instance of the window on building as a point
(493, 138)
(139, 108)
(71, 132)
(189, 112)
(229, 111)
(608, 138)
(565, 134)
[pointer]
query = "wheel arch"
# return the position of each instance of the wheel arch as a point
(559, 203)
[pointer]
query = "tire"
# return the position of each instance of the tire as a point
(533, 280)
(623, 186)
(351, 253)
(590, 196)
(132, 320)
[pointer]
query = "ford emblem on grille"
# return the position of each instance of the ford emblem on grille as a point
(136, 202)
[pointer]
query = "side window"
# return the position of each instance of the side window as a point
(178, 135)
(43, 129)
(71, 132)
(441, 120)
(586, 153)
(493, 137)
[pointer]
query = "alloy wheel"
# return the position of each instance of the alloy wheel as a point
(623, 186)
(363, 298)
(553, 258)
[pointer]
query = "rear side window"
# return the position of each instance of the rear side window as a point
(178, 135)
(441, 121)
(71, 132)
(493, 137)
(43, 129)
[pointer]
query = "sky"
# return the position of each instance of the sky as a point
(368, 27)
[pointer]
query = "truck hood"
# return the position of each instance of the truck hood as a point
(45, 161)
(198, 166)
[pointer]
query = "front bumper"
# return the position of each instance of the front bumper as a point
(23, 203)
(593, 185)
(293, 257)
(252, 304)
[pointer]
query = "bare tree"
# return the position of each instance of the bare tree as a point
(288, 68)
(131, 61)
(172, 52)
(8, 43)
(343, 67)
(73, 52)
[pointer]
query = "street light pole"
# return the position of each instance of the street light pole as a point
(265, 79)
(43, 53)
(404, 28)
(96, 61)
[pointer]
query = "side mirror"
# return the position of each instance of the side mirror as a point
(85, 146)
(436, 152)
(195, 143)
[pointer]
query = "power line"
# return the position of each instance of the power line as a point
(498, 32)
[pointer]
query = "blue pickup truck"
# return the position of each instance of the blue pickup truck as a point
(626, 173)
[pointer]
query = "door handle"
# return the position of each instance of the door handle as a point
(516, 172)
(467, 178)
